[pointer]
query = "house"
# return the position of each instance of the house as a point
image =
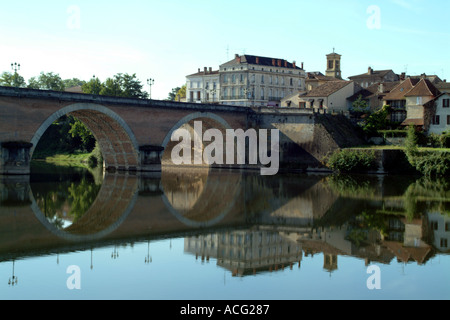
(315, 79)
(374, 95)
(250, 81)
(397, 101)
(365, 80)
(203, 86)
(440, 121)
(329, 97)
(420, 104)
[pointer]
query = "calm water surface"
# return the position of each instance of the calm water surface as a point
(199, 234)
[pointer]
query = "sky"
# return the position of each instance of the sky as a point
(167, 40)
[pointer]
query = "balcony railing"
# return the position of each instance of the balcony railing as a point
(236, 97)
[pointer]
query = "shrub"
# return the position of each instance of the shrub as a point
(350, 160)
(433, 163)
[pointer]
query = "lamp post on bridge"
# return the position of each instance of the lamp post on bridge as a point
(15, 66)
(150, 82)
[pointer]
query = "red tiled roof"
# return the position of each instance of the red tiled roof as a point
(422, 89)
(398, 93)
(327, 88)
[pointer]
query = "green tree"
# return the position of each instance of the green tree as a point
(93, 86)
(377, 121)
(181, 93)
(79, 130)
(173, 94)
(8, 79)
(74, 82)
(360, 105)
(121, 85)
(47, 81)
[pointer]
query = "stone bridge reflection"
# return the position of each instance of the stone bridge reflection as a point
(320, 213)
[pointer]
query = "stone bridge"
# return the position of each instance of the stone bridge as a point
(135, 134)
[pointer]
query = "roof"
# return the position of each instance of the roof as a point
(203, 73)
(318, 76)
(442, 85)
(261, 61)
(398, 93)
(328, 88)
(433, 78)
(374, 90)
(374, 74)
(422, 89)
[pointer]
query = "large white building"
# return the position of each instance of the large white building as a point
(255, 81)
(203, 86)
(250, 81)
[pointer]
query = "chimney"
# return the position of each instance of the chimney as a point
(257, 60)
(279, 62)
(285, 63)
(381, 88)
(210, 69)
(302, 66)
(206, 70)
(294, 64)
(370, 71)
(198, 70)
(403, 76)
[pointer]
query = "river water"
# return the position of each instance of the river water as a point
(196, 234)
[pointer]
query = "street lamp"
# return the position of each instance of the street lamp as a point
(212, 93)
(150, 82)
(13, 281)
(15, 66)
(148, 258)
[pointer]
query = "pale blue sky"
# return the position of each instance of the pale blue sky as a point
(167, 40)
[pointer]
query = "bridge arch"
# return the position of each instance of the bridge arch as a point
(113, 204)
(116, 139)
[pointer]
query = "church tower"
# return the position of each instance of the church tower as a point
(334, 65)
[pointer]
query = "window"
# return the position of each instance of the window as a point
(262, 79)
(330, 64)
(446, 103)
(437, 120)
(443, 243)
(419, 101)
(448, 120)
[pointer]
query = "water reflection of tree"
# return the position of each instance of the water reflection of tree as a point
(365, 207)
(65, 200)
(81, 197)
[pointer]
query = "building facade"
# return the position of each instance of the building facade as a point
(255, 81)
(203, 86)
(329, 97)
(441, 118)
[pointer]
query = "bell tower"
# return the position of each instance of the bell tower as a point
(334, 65)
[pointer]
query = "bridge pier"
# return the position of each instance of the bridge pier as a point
(150, 158)
(15, 158)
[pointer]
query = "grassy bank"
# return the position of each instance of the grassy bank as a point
(73, 160)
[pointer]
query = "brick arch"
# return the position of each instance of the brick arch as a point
(116, 139)
(206, 197)
(115, 200)
(209, 121)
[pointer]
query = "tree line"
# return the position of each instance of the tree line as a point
(120, 85)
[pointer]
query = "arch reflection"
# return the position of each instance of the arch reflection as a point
(83, 207)
(199, 197)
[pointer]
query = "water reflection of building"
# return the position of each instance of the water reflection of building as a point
(440, 227)
(246, 252)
